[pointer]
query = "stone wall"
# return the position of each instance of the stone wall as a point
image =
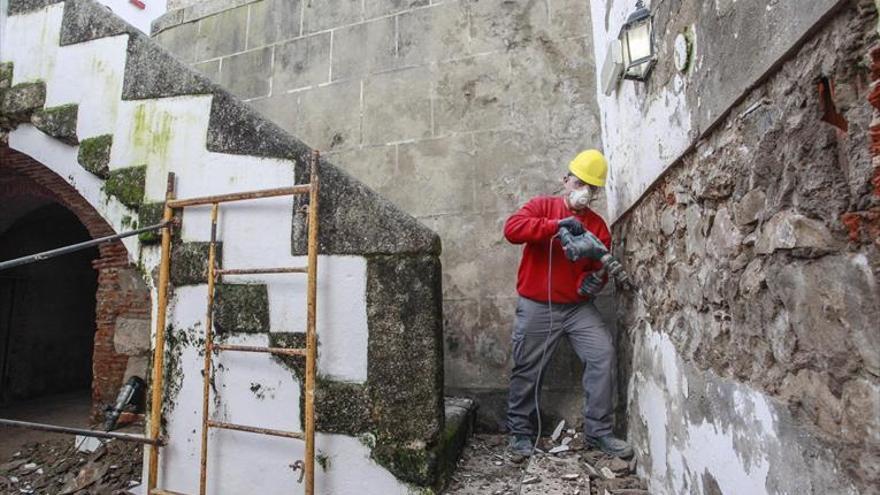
(111, 115)
(755, 339)
(458, 111)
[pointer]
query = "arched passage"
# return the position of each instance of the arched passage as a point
(47, 327)
(92, 305)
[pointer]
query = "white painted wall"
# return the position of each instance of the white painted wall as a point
(168, 135)
(641, 134)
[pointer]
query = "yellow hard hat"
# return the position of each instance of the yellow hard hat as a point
(590, 166)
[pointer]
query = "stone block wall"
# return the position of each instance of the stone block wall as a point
(132, 114)
(458, 111)
(755, 339)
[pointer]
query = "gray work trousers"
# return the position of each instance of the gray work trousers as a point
(591, 340)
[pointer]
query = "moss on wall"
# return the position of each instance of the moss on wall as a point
(150, 214)
(189, 262)
(5, 75)
(94, 155)
(58, 122)
(127, 185)
(241, 308)
(21, 100)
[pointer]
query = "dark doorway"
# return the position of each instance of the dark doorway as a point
(47, 308)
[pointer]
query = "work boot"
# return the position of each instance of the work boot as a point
(520, 447)
(611, 445)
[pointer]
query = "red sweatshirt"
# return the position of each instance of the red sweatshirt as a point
(533, 225)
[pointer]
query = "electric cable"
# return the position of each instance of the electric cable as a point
(541, 364)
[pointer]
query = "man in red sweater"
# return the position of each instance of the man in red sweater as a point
(556, 296)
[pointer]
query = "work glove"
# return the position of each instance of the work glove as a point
(572, 224)
(585, 245)
(592, 284)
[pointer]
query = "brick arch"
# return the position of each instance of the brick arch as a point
(115, 297)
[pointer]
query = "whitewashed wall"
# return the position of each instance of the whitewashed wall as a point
(170, 138)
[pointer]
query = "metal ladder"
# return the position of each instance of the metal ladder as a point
(214, 273)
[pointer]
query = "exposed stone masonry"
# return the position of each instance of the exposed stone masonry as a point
(759, 254)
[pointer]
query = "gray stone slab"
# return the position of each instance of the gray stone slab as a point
(509, 171)
(136, 366)
(281, 109)
(23, 6)
(302, 62)
(375, 226)
(435, 177)
(377, 8)
(247, 74)
(326, 14)
(222, 34)
(329, 117)
(151, 72)
(58, 122)
(131, 336)
(274, 20)
(180, 40)
(505, 25)
(433, 34)
(397, 106)
(364, 48)
(553, 90)
(472, 94)
(375, 166)
(210, 69)
(570, 18)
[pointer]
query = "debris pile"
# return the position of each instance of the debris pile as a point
(562, 465)
(57, 467)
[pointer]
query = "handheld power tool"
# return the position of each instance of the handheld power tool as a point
(588, 245)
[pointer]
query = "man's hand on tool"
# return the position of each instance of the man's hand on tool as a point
(592, 284)
(585, 245)
(572, 224)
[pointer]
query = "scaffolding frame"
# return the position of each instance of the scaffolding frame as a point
(214, 274)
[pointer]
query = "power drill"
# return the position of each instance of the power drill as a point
(588, 245)
(131, 394)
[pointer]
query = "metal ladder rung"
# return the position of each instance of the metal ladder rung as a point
(252, 348)
(253, 271)
(254, 429)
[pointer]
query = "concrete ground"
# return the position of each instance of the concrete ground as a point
(70, 409)
(486, 468)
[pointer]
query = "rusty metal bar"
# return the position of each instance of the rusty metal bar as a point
(311, 336)
(159, 349)
(253, 429)
(209, 349)
(241, 196)
(125, 437)
(257, 271)
(33, 258)
(269, 350)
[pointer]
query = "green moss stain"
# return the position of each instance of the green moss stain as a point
(151, 134)
(127, 185)
(150, 214)
(5, 75)
(323, 460)
(241, 308)
(94, 155)
(189, 265)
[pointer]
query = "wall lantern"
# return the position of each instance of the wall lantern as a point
(637, 44)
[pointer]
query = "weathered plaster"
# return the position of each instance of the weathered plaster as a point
(646, 127)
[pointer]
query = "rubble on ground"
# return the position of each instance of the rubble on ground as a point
(488, 467)
(56, 467)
